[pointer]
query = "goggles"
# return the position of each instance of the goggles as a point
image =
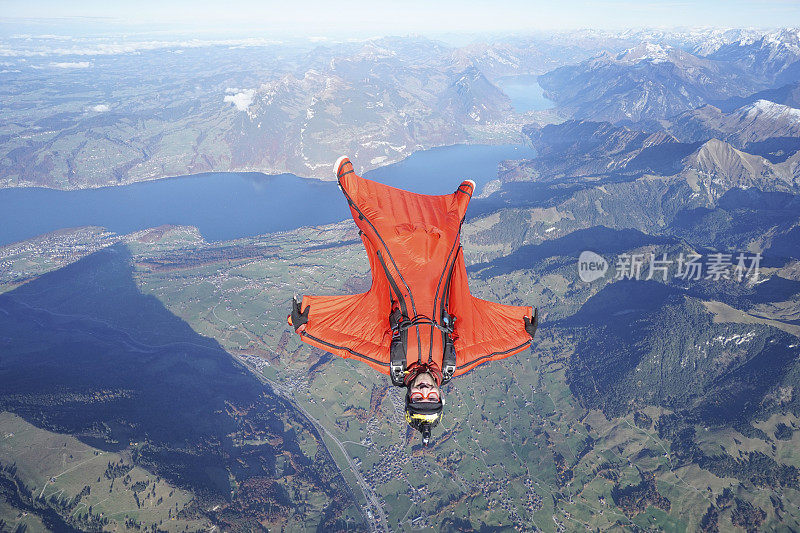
(431, 395)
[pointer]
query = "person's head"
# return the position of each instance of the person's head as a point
(424, 403)
(424, 388)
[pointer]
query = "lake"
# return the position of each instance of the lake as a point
(230, 205)
(525, 92)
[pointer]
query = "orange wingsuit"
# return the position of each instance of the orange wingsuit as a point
(413, 244)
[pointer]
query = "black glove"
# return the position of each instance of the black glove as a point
(298, 318)
(531, 325)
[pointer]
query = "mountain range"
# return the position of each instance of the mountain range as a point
(272, 109)
(646, 82)
(288, 107)
(653, 398)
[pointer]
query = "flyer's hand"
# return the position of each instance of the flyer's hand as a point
(532, 324)
(298, 319)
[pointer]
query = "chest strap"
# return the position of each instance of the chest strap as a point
(398, 351)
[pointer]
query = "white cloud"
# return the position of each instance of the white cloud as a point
(97, 46)
(29, 36)
(241, 100)
(72, 64)
(100, 108)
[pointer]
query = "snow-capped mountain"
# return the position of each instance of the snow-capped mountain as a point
(774, 57)
(653, 53)
(647, 82)
(751, 123)
(788, 95)
(596, 151)
(587, 148)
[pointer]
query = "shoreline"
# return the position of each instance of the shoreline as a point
(275, 172)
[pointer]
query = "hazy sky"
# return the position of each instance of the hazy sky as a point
(311, 17)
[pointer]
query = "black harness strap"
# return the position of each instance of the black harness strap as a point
(397, 349)
(422, 320)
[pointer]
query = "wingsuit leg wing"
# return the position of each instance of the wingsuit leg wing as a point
(486, 331)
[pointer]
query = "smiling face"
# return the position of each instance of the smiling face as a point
(424, 389)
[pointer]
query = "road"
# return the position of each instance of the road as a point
(368, 493)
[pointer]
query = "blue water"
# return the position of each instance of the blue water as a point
(441, 170)
(525, 92)
(228, 205)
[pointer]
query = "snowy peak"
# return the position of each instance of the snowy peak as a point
(769, 110)
(762, 127)
(706, 42)
(784, 38)
(647, 82)
(651, 52)
(773, 56)
(655, 53)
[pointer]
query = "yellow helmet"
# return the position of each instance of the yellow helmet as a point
(424, 416)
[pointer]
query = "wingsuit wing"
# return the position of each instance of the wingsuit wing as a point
(413, 245)
(485, 331)
(352, 326)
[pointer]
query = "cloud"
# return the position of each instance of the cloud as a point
(99, 46)
(72, 64)
(241, 100)
(28, 36)
(100, 108)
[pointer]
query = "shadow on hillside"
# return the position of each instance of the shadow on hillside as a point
(525, 194)
(84, 352)
(644, 342)
(600, 239)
